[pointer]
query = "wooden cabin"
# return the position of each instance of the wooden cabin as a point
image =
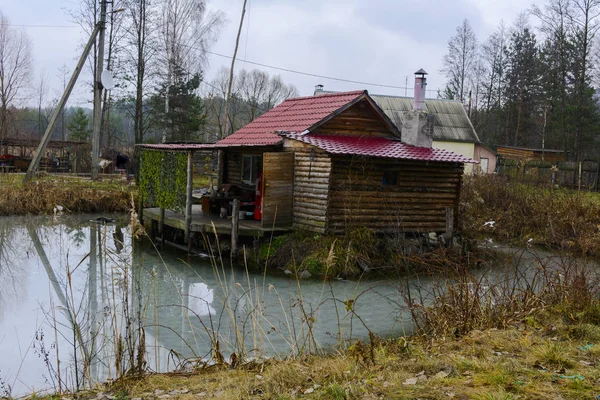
(335, 162)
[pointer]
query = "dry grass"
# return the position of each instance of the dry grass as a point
(74, 194)
(520, 362)
(558, 218)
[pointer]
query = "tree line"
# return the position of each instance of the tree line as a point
(157, 53)
(532, 84)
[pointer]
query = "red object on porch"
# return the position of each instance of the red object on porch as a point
(258, 200)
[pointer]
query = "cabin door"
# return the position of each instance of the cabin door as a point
(278, 188)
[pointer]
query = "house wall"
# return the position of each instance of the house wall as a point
(416, 203)
(312, 168)
(233, 167)
(233, 163)
(358, 120)
(463, 148)
(483, 152)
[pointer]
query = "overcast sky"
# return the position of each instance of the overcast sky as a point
(374, 41)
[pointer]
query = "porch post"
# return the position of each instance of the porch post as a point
(188, 197)
(161, 227)
(235, 221)
(449, 225)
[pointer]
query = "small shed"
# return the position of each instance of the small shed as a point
(487, 159)
(527, 154)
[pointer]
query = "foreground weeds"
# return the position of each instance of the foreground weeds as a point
(557, 218)
(518, 362)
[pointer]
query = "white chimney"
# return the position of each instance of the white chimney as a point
(420, 88)
(417, 124)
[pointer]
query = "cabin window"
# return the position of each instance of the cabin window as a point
(390, 178)
(484, 164)
(251, 167)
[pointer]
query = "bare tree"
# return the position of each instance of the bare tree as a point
(140, 53)
(585, 18)
(556, 31)
(86, 15)
(253, 93)
(15, 70)
(262, 92)
(214, 101)
(42, 89)
(63, 73)
(187, 31)
(460, 59)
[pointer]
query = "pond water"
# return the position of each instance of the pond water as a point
(77, 298)
(81, 302)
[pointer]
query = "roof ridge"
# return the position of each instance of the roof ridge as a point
(336, 94)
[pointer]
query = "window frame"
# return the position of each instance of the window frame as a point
(254, 160)
(487, 165)
(389, 182)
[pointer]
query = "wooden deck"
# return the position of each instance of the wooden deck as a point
(204, 223)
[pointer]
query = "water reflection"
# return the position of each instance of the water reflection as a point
(77, 298)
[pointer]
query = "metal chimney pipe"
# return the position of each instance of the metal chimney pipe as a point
(420, 88)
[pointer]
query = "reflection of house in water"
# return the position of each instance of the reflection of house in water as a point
(200, 299)
(268, 319)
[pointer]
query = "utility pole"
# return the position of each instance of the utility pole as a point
(237, 43)
(220, 157)
(61, 104)
(98, 91)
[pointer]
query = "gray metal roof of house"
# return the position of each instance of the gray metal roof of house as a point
(451, 122)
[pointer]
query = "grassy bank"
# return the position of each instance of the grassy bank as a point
(524, 361)
(359, 252)
(73, 193)
(557, 218)
(531, 332)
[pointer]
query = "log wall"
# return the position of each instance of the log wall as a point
(530, 154)
(278, 187)
(358, 120)
(416, 203)
(233, 167)
(311, 189)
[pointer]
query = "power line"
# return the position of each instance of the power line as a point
(250, 62)
(40, 26)
(314, 75)
(307, 73)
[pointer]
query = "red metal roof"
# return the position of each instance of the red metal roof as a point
(292, 116)
(379, 147)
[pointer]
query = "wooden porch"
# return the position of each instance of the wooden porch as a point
(204, 223)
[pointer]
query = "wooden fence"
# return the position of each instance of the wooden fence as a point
(583, 175)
